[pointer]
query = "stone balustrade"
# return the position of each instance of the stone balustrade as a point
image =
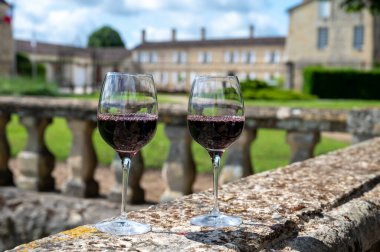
(328, 203)
(303, 127)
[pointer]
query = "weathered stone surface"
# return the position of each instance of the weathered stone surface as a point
(35, 162)
(353, 226)
(28, 215)
(302, 119)
(276, 207)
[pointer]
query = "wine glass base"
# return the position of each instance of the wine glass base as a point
(121, 226)
(215, 220)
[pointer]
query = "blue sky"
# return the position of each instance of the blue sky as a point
(71, 21)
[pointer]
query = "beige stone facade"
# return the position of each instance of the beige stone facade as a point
(322, 33)
(6, 44)
(76, 70)
(174, 64)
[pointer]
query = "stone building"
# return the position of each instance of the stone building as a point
(175, 63)
(322, 33)
(76, 70)
(6, 44)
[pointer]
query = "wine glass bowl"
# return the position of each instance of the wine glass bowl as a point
(215, 120)
(127, 121)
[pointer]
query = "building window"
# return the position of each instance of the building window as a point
(324, 8)
(358, 37)
(248, 57)
(272, 57)
(183, 57)
(135, 56)
(179, 57)
(182, 78)
(323, 37)
(204, 57)
(153, 58)
(231, 57)
(277, 57)
(164, 78)
(251, 76)
(174, 78)
(227, 57)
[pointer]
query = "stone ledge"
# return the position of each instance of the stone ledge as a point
(278, 208)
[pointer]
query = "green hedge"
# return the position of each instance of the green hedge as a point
(27, 86)
(342, 83)
(260, 90)
(24, 67)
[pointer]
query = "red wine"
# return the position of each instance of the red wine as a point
(127, 134)
(215, 132)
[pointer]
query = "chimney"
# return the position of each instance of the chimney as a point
(143, 36)
(174, 34)
(203, 33)
(251, 31)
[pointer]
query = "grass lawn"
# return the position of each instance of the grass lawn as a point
(268, 151)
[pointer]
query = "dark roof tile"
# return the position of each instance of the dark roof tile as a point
(264, 41)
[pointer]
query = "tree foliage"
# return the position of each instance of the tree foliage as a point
(358, 5)
(105, 37)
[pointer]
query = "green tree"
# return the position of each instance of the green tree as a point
(358, 5)
(105, 37)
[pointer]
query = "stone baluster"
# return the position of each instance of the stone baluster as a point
(363, 124)
(238, 161)
(136, 194)
(35, 162)
(6, 177)
(302, 144)
(179, 168)
(82, 161)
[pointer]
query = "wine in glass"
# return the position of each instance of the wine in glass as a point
(215, 120)
(127, 121)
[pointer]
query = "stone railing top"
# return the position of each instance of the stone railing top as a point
(269, 117)
(328, 203)
(356, 121)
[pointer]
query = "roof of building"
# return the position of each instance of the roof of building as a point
(300, 5)
(264, 41)
(105, 54)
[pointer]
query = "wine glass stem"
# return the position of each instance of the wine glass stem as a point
(126, 166)
(216, 168)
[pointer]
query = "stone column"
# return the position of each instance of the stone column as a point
(238, 161)
(302, 144)
(289, 75)
(363, 124)
(136, 194)
(35, 162)
(82, 161)
(6, 177)
(179, 168)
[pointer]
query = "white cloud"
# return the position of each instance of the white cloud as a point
(64, 21)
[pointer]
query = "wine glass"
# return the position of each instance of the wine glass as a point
(215, 120)
(127, 120)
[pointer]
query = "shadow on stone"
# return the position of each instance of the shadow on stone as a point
(239, 239)
(306, 243)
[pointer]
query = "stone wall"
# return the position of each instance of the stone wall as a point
(6, 45)
(329, 203)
